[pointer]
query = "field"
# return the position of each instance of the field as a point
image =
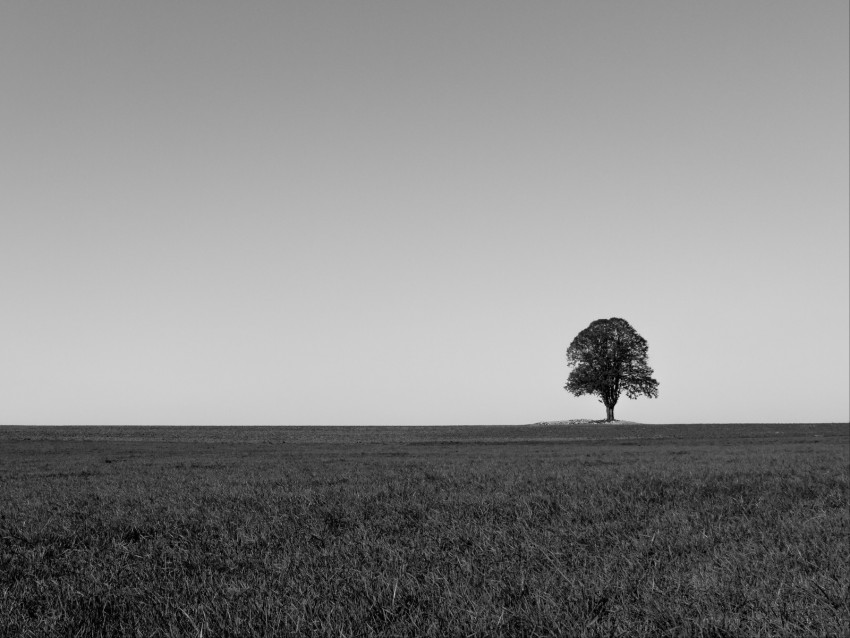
(580, 530)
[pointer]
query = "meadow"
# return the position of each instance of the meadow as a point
(578, 530)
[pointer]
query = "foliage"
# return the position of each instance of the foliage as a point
(609, 358)
(500, 531)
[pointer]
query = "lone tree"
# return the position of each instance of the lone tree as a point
(608, 358)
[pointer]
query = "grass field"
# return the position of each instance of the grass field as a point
(584, 530)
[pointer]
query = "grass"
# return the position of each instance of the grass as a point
(577, 530)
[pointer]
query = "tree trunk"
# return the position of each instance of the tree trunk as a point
(609, 413)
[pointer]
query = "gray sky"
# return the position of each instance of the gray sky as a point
(379, 213)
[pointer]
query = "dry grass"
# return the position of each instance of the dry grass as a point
(572, 530)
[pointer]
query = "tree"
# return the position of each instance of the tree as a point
(608, 358)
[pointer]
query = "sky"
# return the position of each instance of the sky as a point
(403, 212)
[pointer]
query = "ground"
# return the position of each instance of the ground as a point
(572, 530)
(587, 422)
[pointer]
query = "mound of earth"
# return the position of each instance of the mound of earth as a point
(587, 422)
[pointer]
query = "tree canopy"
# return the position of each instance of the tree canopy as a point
(609, 358)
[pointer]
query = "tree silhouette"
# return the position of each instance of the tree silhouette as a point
(608, 358)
